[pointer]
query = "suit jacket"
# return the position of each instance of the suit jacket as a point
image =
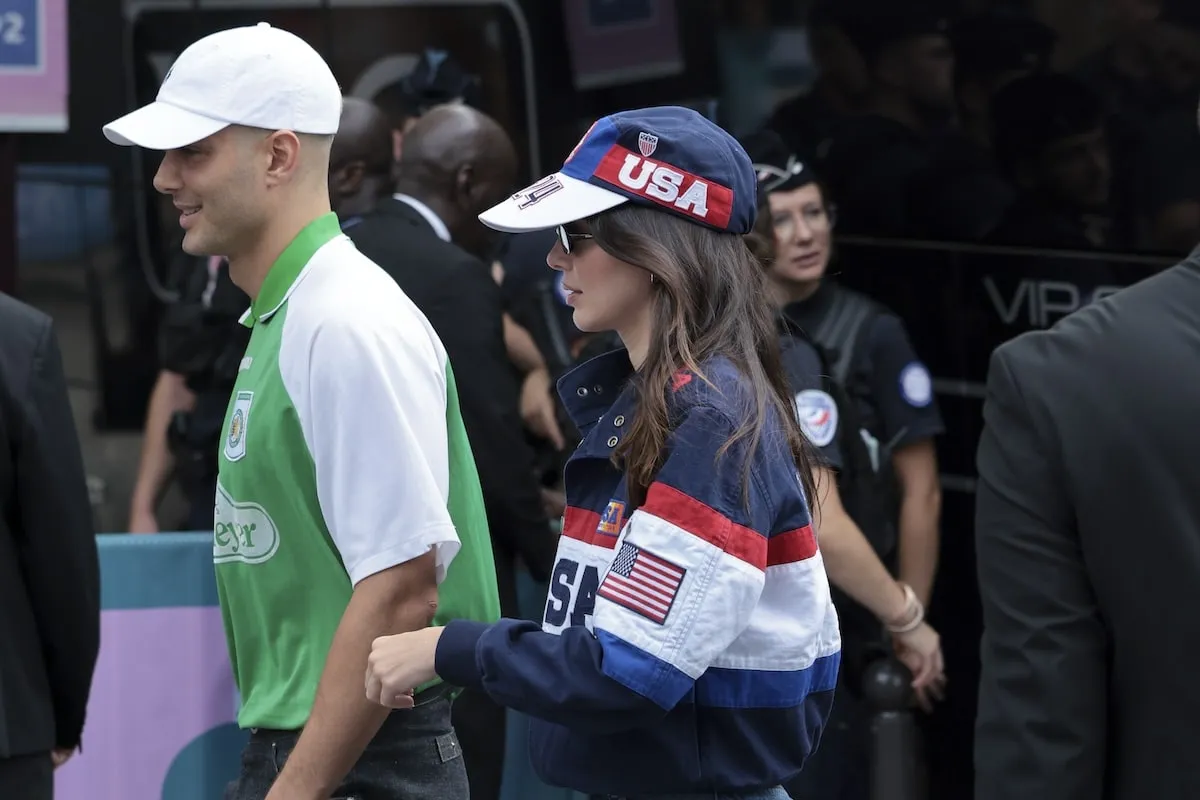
(1088, 545)
(49, 568)
(462, 302)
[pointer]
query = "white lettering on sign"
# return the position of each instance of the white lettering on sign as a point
(1044, 302)
(666, 185)
(12, 28)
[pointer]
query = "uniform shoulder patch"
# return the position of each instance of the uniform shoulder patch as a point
(916, 387)
(817, 414)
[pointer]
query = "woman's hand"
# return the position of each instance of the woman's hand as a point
(400, 663)
(921, 651)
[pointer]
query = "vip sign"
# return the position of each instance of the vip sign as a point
(667, 186)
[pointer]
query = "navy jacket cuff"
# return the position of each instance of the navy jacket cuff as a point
(455, 661)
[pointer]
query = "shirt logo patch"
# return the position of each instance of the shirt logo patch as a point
(242, 531)
(915, 385)
(818, 416)
(613, 518)
(643, 583)
(239, 422)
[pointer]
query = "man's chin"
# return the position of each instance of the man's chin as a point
(194, 245)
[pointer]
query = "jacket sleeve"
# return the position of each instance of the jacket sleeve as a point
(58, 556)
(688, 573)
(1044, 681)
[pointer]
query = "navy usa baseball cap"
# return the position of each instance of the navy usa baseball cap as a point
(669, 158)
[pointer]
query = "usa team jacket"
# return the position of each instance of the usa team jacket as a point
(689, 645)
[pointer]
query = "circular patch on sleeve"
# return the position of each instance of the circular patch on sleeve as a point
(818, 416)
(915, 385)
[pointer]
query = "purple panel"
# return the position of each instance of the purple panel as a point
(162, 680)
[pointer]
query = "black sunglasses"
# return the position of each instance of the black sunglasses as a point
(565, 238)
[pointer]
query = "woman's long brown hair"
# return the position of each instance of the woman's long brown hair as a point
(710, 298)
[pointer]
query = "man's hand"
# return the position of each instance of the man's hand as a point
(60, 756)
(537, 407)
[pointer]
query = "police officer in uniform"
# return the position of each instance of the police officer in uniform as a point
(200, 350)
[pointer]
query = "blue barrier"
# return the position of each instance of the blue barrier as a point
(161, 720)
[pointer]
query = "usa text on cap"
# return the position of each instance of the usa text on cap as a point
(669, 158)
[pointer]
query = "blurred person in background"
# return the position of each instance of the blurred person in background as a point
(49, 567)
(439, 79)
(1167, 187)
(962, 196)
(436, 79)
(795, 220)
(842, 85)
(873, 158)
(1052, 144)
(360, 162)
(347, 503)
(200, 348)
(457, 162)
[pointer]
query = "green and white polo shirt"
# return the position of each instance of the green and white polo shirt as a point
(344, 454)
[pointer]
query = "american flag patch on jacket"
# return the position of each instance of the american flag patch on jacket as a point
(642, 582)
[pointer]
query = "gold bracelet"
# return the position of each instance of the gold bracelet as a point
(913, 609)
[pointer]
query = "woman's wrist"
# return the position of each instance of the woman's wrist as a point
(910, 617)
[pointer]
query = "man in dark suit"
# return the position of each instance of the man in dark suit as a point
(49, 568)
(456, 162)
(1088, 538)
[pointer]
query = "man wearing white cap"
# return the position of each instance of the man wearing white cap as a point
(345, 476)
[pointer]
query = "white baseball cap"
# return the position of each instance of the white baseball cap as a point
(257, 76)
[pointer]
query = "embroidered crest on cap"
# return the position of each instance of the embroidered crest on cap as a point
(647, 142)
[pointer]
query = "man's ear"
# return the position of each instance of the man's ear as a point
(466, 187)
(397, 144)
(283, 156)
(348, 179)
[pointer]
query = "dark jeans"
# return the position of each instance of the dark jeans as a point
(27, 777)
(481, 726)
(840, 767)
(415, 756)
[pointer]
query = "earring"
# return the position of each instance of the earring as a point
(652, 277)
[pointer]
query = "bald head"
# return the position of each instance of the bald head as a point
(460, 162)
(360, 160)
(450, 137)
(364, 134)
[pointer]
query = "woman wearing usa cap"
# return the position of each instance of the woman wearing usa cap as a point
(689, 647)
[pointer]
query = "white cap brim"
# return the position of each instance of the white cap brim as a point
(562, 199)
(162, 126)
